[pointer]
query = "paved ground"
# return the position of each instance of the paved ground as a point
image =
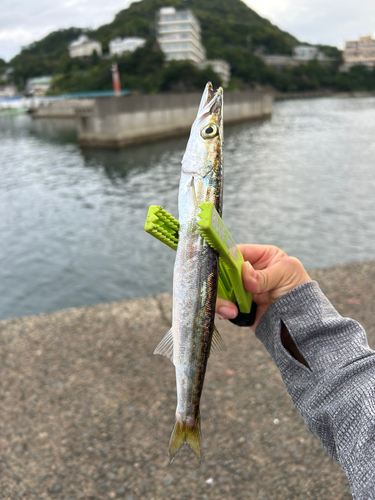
(86, 410)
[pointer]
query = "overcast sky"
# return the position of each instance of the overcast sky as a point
(314, 21)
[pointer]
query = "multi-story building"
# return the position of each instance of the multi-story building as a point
(221, 67)
(361, 51)
(84, 47)
(130, 44)
(179, 35)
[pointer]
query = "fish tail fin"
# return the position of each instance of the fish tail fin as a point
(186, 433)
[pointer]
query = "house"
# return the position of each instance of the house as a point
(39, 85)
(84, 47)
(119, 46)
(305, 53)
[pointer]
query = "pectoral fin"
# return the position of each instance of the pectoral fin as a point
(193, 193)
(165, 347)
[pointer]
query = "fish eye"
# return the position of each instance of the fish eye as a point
(209, 131)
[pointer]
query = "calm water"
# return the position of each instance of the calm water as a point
(71, 221)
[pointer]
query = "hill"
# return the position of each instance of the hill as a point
(230, 30)
(224, 23)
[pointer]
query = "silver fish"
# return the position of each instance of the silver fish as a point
(196, 272)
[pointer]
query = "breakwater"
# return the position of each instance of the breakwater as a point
(119, 121)
(61, 108)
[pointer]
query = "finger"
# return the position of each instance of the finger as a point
(260, 256)
(261, 281)
(225, 309)
(280, 277)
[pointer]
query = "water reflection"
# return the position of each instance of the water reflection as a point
(58, 130)
(119, 163)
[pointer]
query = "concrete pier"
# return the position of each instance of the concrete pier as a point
(119, 121)
(62, 108)
(87, 410)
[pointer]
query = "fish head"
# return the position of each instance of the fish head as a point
(204, 149)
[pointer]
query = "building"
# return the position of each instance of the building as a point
(84, 47)
(39, 85)
(361, 51)
(8, 90)
(278, 61)
(221, 67)
(305, 53)
(119, 46)
(301, 55)
(179, 35)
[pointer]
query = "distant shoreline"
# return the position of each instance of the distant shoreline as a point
(282, 96)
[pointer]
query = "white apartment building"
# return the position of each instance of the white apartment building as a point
(119, 46)
(221, 67)
(361, 51)
(84, 47)
(179, 35)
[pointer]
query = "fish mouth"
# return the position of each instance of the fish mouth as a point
(210, 104)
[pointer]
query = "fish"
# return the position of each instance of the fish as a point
(196, 271)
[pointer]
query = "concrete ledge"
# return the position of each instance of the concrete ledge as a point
(64, 108)
(140, 138)
(121, 121)
(87, 410)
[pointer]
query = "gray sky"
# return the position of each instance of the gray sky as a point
(314, 21)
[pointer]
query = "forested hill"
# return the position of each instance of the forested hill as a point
(230, 31)
(226, 25)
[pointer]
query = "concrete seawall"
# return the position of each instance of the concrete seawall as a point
(119, 121)
(87, 410)
(64, 108)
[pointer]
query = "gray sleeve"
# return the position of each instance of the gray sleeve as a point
(336, 394)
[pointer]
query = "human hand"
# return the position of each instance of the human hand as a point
(268, 273)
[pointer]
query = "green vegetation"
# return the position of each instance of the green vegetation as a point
(42, 57)
(3, 65)
(230, 31)
(230, 22)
